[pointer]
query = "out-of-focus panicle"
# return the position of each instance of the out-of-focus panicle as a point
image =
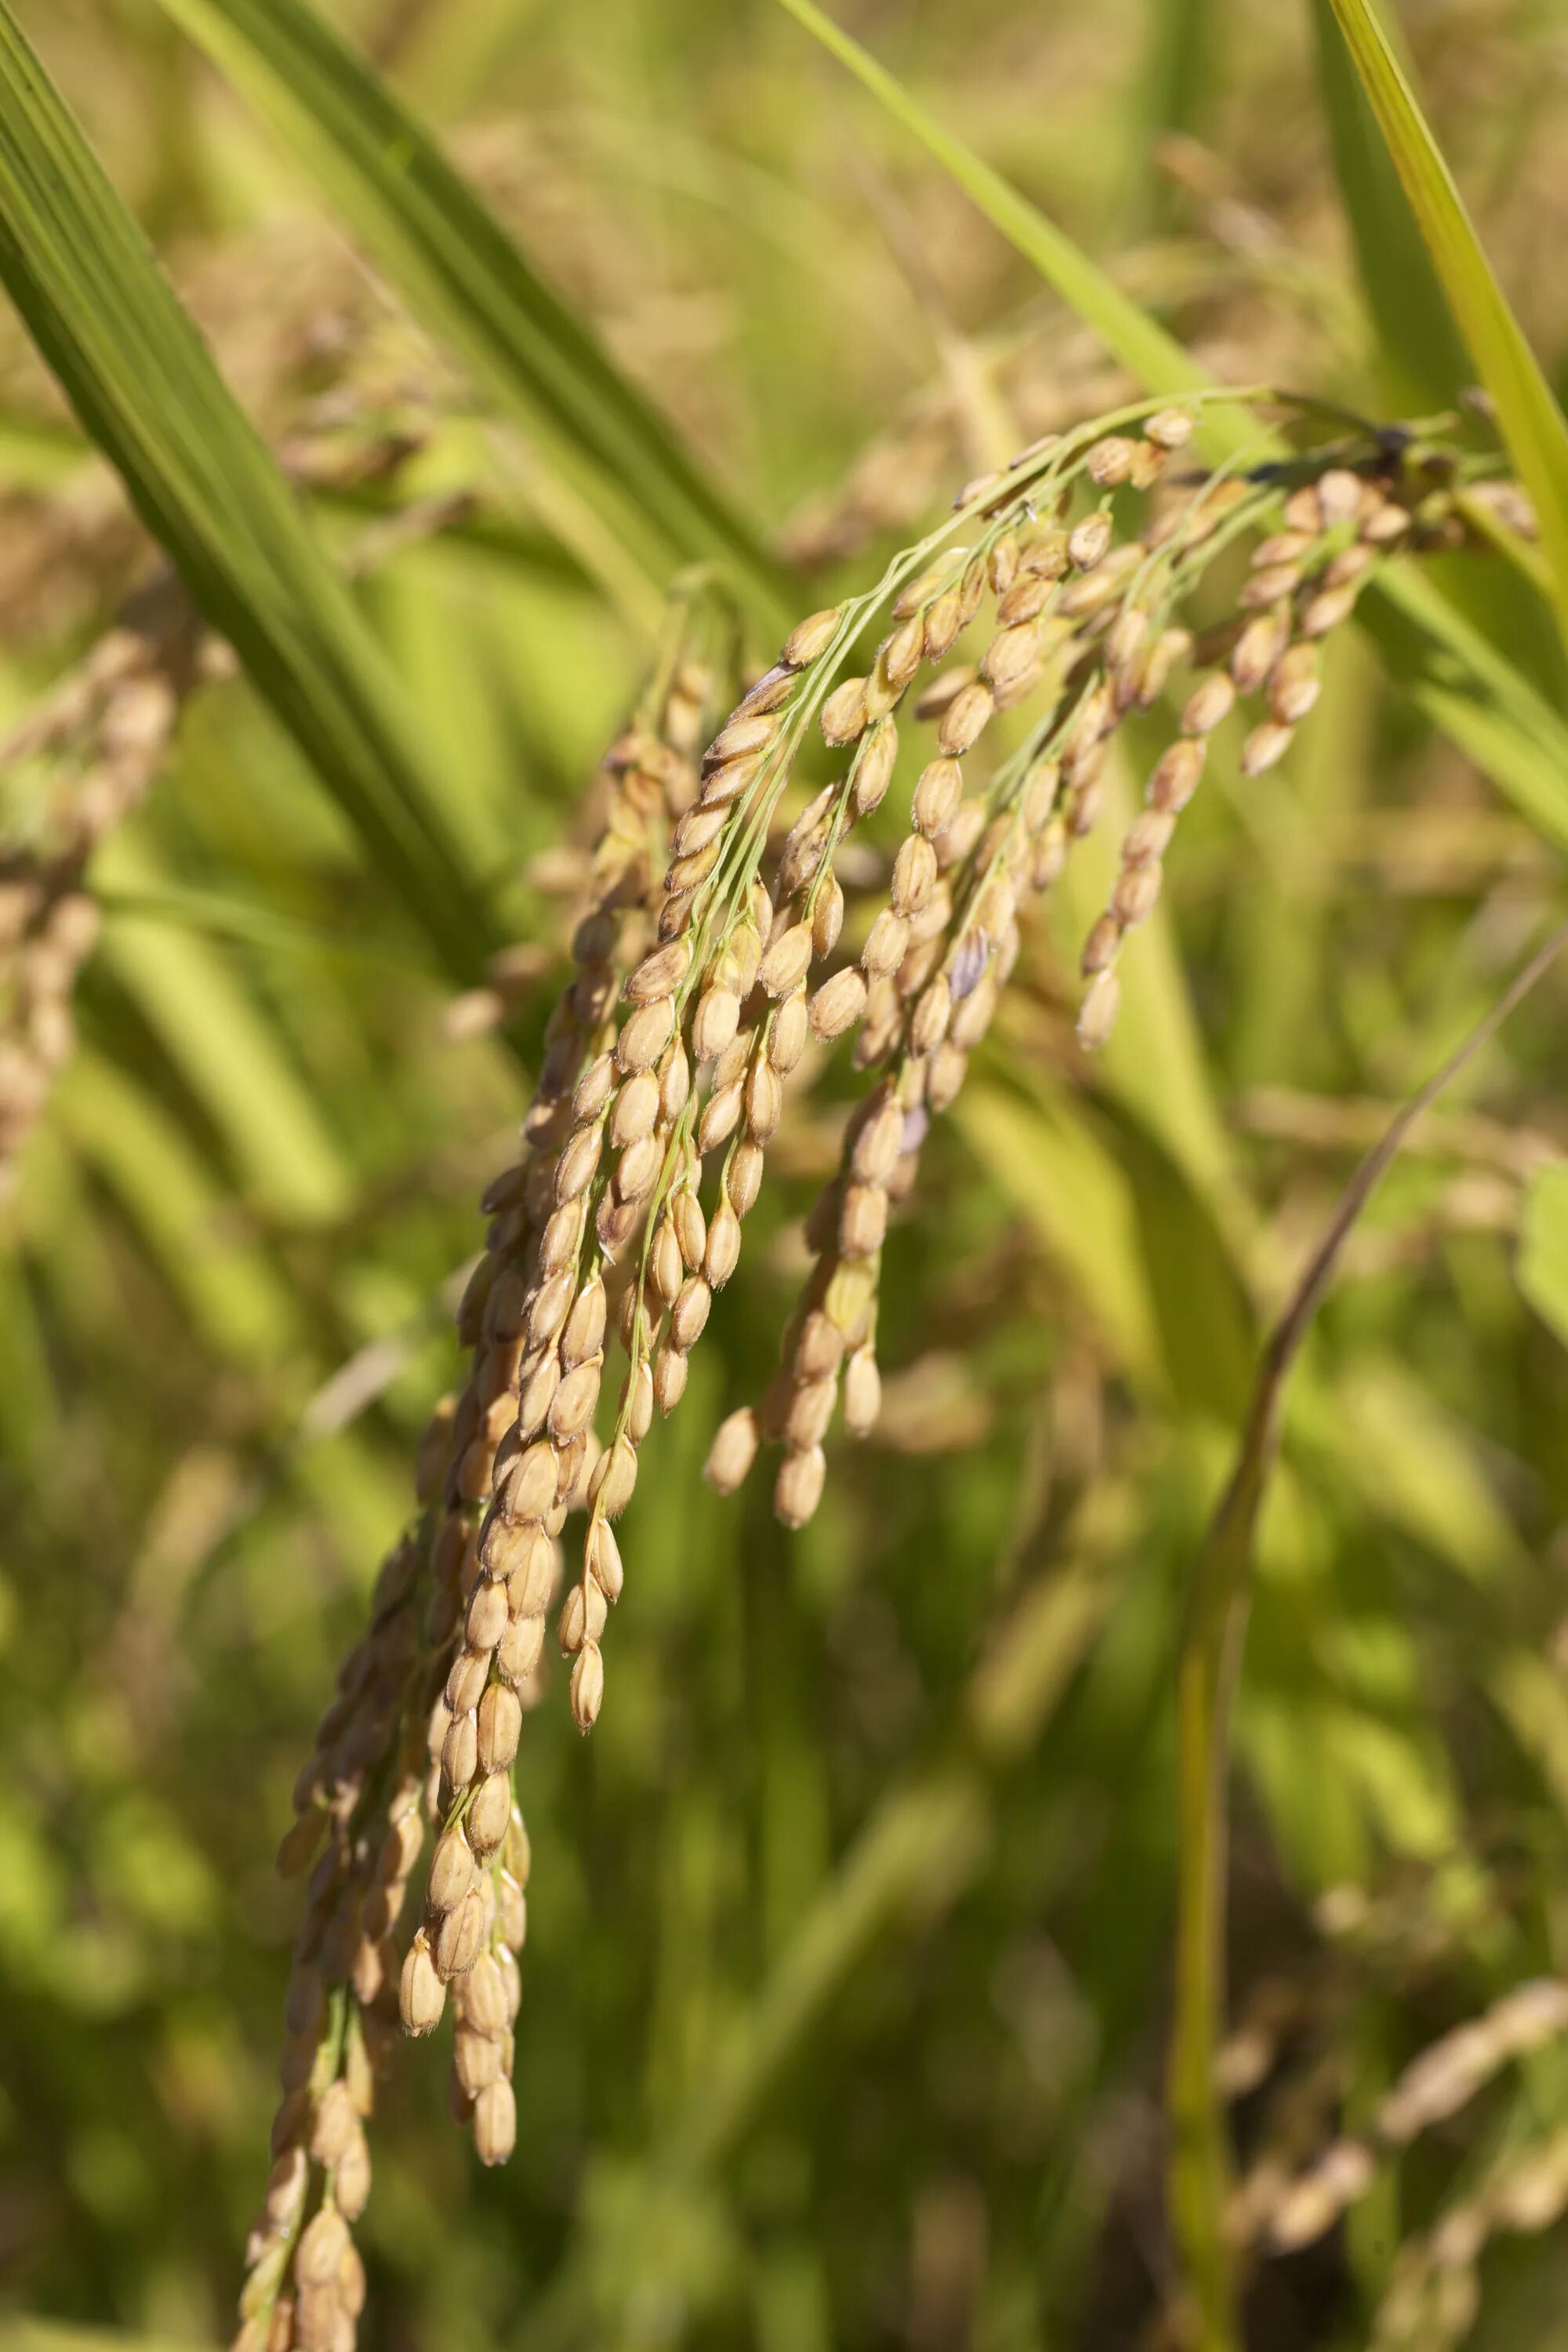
(1301, 2179)
(429, 1712)
(1433, 2088)
(102, 738)
(1433, 2298)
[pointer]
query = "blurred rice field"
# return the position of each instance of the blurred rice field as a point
(847, 1988)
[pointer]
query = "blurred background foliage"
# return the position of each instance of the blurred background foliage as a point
(846, 1991)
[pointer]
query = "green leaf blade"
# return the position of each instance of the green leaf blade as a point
(466, 279)
(147, 391)
(1529, 420)
(1422, 363)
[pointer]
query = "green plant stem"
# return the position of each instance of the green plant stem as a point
(1206, 1673)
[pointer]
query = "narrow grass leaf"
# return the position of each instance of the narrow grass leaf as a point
(145, 389)
(1530, 422)
(1422, 362)
(1044, 1156)
(238, 1302)
(467, 279)
(1155, 357)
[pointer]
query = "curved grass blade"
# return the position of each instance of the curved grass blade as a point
(238, 1301)
(146, 391)
(467, 279)
(1529, 420)
(1421, 358)
(1153, 356)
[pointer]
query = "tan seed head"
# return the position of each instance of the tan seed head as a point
(723, 1249)
(828, 918)
(587, 1690)
(476, 2057)
(785, 963)
(1175, 775)
(1096, 1015)
(1265, 746)
(862, 1392)
(323, 2245)
(499, 1727)
(732, 1452)
(690, 1230)
(764, 1102)
(743, 1178)
(1088, 544)
(845, 712)
(614, 1479)
(874, 767)
(715, 1022)
(670, 1369)
(660, 973)
(964, 718)
(451, 1870)
(787, 1036)
(797, 1490)
(645, 1035)
(636, 1108)
(495, 2120)
(810, 639)
(740, 736)
(490, 1810)
(688, 1316)
(886, 944)
(837, 1004)
(863, 1219)
(1209, 703)
(914, 874)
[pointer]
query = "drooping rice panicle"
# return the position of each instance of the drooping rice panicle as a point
(1092, 628)
(447, 1625)
(707, 961)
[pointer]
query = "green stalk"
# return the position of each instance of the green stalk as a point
(1206, 1675)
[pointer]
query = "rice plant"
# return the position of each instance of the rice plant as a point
(955, 839)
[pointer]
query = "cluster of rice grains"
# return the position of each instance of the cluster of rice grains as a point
(1083, 628)
(715, 949)
(429, 1707)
